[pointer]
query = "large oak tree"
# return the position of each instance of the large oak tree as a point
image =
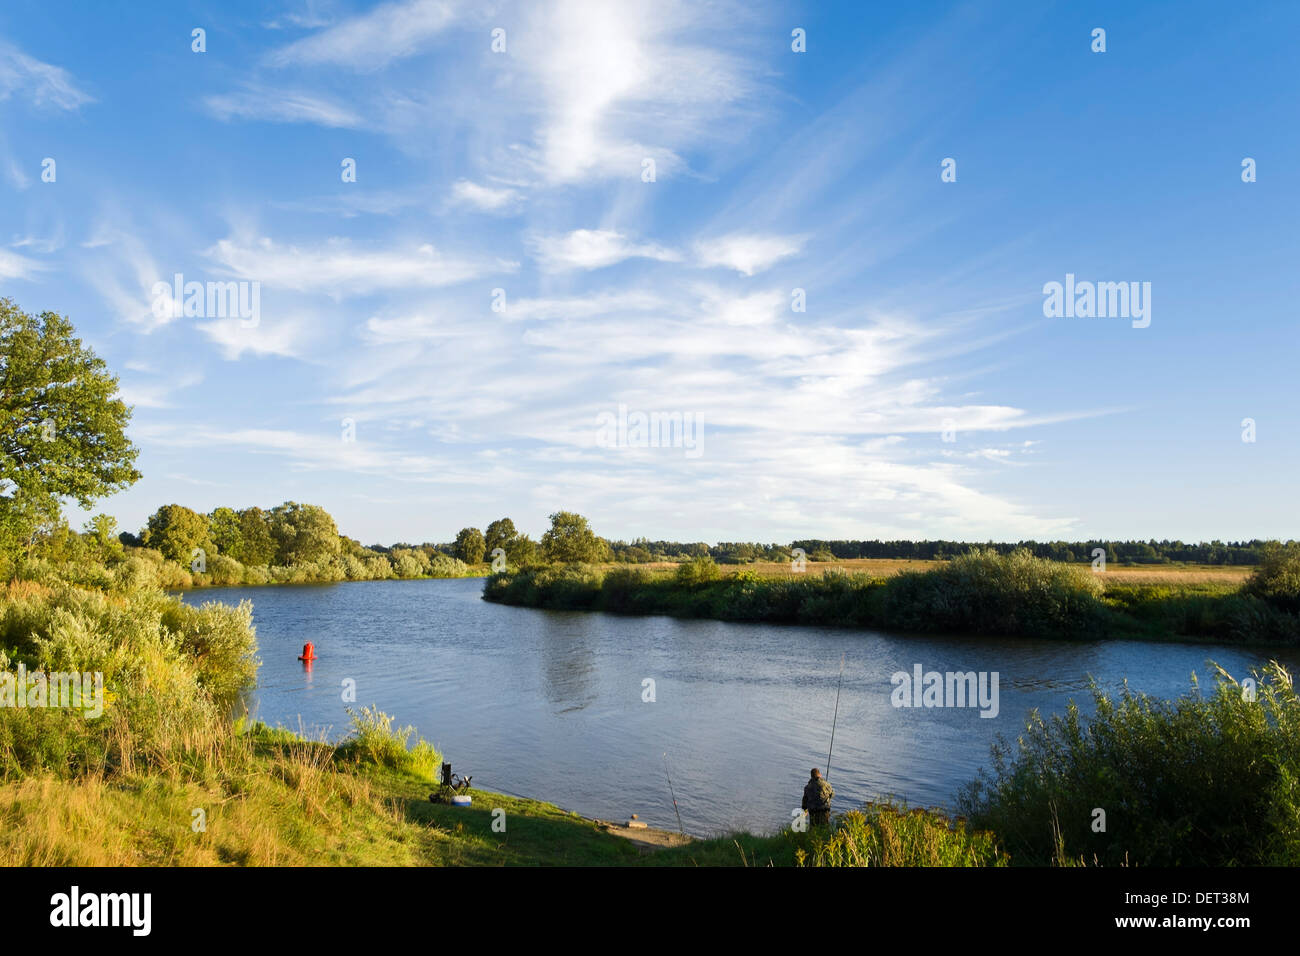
(62, 426)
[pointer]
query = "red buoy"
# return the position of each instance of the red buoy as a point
(308, 652)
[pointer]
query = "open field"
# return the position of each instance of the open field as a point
(1151, 574)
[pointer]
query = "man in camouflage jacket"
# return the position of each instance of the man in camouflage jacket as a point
(817, 799)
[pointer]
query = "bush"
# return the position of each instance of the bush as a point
(985, 592)
(408, 563)
(374, 740)
(444, 566)
(1277, 579)
(1206, 780)
(377, 567)
(701, 570)
(257, 574)
(170, 674)
(223, 571)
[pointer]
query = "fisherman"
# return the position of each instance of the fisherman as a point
(817, 799)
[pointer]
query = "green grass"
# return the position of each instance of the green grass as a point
(878, 834)
(289, 804)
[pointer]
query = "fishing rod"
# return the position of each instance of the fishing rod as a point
(674, 795)
(836, 718)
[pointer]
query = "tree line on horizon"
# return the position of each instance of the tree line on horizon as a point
(643, 551)
(296, 534)
(299, 534)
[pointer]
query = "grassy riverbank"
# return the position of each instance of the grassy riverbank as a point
(982, 592)
(274, 800)
(157, 773)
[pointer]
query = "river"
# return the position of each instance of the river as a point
(553, 704)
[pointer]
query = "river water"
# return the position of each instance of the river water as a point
(553, 704)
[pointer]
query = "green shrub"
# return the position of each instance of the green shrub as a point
(1206, 780)
(984, 592)
(445, 566)
(170, 674)
(375, 741)
(257, 574)
(696, 571)
(1277, 578)
(223, 571)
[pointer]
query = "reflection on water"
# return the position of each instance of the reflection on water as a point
(568, 660)
(549, 704)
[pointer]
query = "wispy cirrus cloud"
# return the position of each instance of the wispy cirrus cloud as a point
(344, 267)
(570, 96)
(257, 102)
(372, 40)
(593, 303)
(602, 68)
(310, 450)
(747, 253)
(284, 335)
(123, 270)
(152, 392)
(487, 198)
(42, 85)
(594, 249)
(406, 329)
(14, 266)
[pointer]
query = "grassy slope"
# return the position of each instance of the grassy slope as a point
(276, 812)
(378, 820)
(290, 805)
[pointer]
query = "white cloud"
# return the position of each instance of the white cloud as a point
(405, 329)
(15, 173)
(323, 449)
(310, 17)
(389, 32)
(761, 308)
(282, 106)
(125, 275)
(484, 197)
(42, 84)
(747, 253)
(286, 336)
(604, 68)
(586, 306)
(344, 267)
(14, 266)
(39, 244)
(593, 249)
(144, 394)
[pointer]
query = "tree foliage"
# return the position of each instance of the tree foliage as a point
(570, 539)
(500, 534)
(303, 533)
(62, 426)
(470, 546)
(176, 531)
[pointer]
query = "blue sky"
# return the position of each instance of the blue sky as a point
(523, 170)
